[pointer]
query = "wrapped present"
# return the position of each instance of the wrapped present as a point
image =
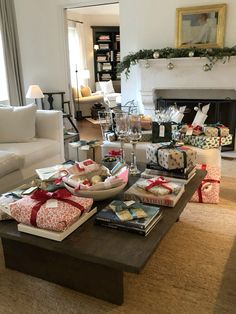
(52, 211)
(162, 132)
(216, 130)
(170, 156)
(159, 186)
(83, 150)
(142, 195)
(146, 136)
(205, 142)
(5, 200)
(209, 189)
(226, 140)
(189, 129)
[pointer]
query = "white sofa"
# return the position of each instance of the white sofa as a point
(18, 161)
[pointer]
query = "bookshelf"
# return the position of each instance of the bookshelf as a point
(107, 54)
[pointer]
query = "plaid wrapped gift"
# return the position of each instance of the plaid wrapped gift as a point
(216, 130)
(209, 189)
(170, 157)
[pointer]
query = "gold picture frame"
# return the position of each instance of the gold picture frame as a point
(200, 26)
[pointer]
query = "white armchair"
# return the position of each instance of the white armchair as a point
(111, 97)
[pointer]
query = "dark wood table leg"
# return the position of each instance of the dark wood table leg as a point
(87, 277)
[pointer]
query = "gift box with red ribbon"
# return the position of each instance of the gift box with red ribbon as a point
(209, 189)
(158, 191)
(50, 210)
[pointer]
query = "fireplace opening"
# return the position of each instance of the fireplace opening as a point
(221, 110)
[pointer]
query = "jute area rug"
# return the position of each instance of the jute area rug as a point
(192, 271)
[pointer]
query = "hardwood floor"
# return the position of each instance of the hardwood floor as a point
(88, 130)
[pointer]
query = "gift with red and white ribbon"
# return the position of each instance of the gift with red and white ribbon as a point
(159, 186)
(50, 210)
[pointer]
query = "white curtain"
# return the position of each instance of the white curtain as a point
(77, 53)
(3, 77)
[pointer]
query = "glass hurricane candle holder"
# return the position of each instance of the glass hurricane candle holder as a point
(121, 121)
(134, 135)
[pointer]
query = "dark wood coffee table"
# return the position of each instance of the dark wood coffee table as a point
(92, 259)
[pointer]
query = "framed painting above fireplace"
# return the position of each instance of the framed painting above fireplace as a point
(201, 26)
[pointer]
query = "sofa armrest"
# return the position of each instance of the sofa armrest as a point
(49, 124)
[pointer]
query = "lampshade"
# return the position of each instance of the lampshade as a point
(34, 91)
(84, 74)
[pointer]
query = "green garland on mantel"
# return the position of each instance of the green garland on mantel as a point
(212, 54)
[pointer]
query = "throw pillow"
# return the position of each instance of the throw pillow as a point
(85, 91)
(17, 124)
(107, 87)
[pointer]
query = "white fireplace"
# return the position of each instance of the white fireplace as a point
(186, 80)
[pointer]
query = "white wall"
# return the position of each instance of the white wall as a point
(42, 41)
(150, 24)
(93, 20)
(144, 24)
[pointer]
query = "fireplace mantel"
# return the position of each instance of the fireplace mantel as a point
(187, 73)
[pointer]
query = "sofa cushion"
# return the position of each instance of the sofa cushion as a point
(17, 124)
(34, 151)
(9, 162)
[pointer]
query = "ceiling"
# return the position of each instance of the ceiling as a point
(110, 9)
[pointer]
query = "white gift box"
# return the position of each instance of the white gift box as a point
(80, 153)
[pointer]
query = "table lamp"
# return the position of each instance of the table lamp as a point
(35, 92)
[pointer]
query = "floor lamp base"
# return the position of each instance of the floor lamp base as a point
(78, 115)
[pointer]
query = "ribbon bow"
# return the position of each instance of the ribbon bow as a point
(159, 181)
(114, 153)
(43, 196)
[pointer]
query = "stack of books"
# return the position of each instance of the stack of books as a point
(178, 175)
(143, 226)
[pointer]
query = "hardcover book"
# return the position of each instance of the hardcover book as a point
(178, 173)
(139, 195)
(149, 173)
(108, 216)
(124, 227)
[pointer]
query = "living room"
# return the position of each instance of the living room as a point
(193, 270)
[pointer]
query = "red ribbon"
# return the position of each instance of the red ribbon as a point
(159, 181)
(88, 162)
(43, 196)
(114, 153)
(80, 169)
(199, 190)
(196, 128)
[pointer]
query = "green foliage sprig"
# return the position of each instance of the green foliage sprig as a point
(213, 55)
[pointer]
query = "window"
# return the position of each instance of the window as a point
(3, 78)
(77, 54)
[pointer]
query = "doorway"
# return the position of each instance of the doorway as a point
(87, 58)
